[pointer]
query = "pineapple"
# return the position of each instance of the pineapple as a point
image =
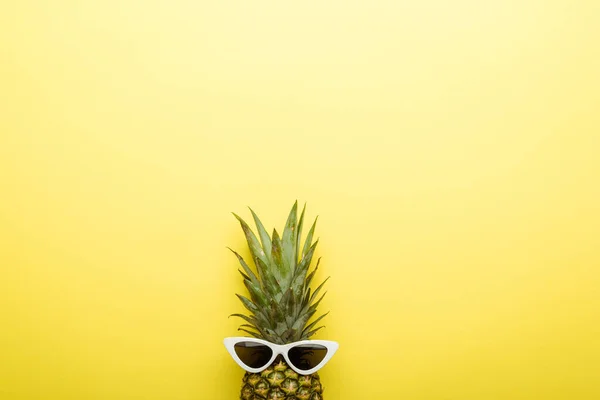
(280, 305)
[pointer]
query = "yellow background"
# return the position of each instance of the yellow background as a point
(451, 149)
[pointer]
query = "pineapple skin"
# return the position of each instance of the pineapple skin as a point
(279, 381)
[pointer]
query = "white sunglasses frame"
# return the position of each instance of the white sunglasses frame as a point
(282, 349)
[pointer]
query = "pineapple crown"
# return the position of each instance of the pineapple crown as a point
(281, 301)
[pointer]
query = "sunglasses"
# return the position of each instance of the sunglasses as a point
(305, 357)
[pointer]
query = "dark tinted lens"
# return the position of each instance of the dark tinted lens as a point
(307, 356)
(254, 355)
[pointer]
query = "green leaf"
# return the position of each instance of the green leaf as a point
(318, 289)
(309, 327)
(253, 321)
(302, 269)
(254, 334)
(247, 269)
(308, 241)
(307, 310)
(314, 305)
(306, 299)
(290, 335)
(280, 270)
(262, 321)
(289, 239)
(250, 306)
(303, 318)
(286, 304)
(246, 318)
(243, 274)
(268, 280)
(253, 243)
(275, 312)
(299, 234)
(310, 276)
(262, 232)
(309, 334)
(290, 308)
(255, 293)
(281, 327)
